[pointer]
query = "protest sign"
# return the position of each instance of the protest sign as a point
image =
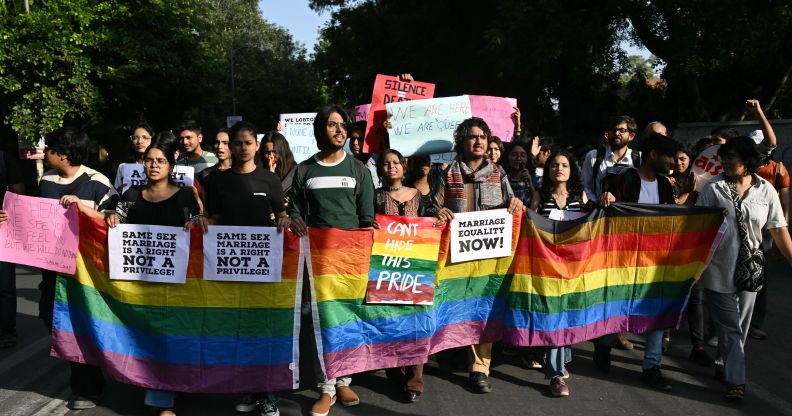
(426, 126)
(361, 112)
(39, 232)
(243, 254)
(231, 120)
(481, 235)
(132, 174)
(446, 157)
(497, 112)
(148, 253)
(707, 166)
(403, 261)
(298, 131)
(388, 89)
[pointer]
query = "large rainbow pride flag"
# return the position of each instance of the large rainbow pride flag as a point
(202, 336)
(626, 268)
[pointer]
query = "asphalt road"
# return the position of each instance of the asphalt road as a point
(33, 383)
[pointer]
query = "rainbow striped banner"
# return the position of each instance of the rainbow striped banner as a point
(626, 268)
(202, 336)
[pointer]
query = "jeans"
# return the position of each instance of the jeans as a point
(653, 353)
(555, 359)
(8, 300)
(731, 314)
(696, 315)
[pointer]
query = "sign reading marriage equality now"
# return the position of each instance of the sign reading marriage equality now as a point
(403, 261)
(481, 235)
(388, 89)
(39, 232)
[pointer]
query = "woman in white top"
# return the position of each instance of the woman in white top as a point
(760, 209)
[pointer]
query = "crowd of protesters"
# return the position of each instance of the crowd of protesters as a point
(249, 181)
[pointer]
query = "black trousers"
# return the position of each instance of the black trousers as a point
(86, 380)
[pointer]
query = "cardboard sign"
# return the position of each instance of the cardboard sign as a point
(427, 126)
(40, 232)
(298, 130)
(388, 89)
(243, 254)
(148, 253)
(481, 235)
(707, 166)
(497, 112)
(132, 174)
(403, 261)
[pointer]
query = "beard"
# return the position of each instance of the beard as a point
(616, 145)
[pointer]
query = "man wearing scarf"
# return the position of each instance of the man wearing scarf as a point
(470, 183)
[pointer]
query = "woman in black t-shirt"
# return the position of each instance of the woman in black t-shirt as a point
(160, 202)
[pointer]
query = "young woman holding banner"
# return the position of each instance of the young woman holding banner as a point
(561, 192)
(396, 199)
(160, 202)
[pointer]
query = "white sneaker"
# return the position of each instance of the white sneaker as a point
(268, 408)
(247, 405)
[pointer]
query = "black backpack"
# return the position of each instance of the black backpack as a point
(636, 163)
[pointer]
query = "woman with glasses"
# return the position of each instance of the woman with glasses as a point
(159, 202)
(139, 141)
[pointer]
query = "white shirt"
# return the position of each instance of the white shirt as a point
(650, 192)
(761, 206)
(607, 162)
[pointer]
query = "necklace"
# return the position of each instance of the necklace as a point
(394, 188)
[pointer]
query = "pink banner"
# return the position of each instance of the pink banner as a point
(497, 112)
(361, 112)
(40, 233)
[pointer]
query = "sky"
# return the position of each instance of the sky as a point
(295, 15)
(304, 23)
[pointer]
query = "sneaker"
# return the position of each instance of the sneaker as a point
(8, 340)
(80, 403)
(602, 358)
(479, 383)
(653, 378)
(757, 334)
(700, 357)
(413, 396)
(713, 342)
(735, 392)
(558, 387)
(624, 343)
(247, 405)
(322, 406)
(347, 396)
(268, 407)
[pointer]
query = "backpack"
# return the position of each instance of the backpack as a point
(636, 163)
(302, 170)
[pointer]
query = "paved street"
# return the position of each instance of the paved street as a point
(32, 383)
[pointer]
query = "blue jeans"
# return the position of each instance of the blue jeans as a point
(159, 398)
(555, 358)
(8, 300)
(653, 353)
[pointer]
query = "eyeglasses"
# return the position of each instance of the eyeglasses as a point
(139, 138)
(152, 162)
(477, 136)
(336, 125)
(622, 131)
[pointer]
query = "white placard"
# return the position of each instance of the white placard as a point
(148, 253)
(424, 127)
(706, 166)
(298, 130)
(446, 157)
(132, 174)
(481, 235)
(243, 254)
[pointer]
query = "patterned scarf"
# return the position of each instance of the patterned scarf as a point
(486, 181)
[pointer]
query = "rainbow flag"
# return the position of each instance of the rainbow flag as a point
(354, 336)
(626, 268)
(202, 336)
